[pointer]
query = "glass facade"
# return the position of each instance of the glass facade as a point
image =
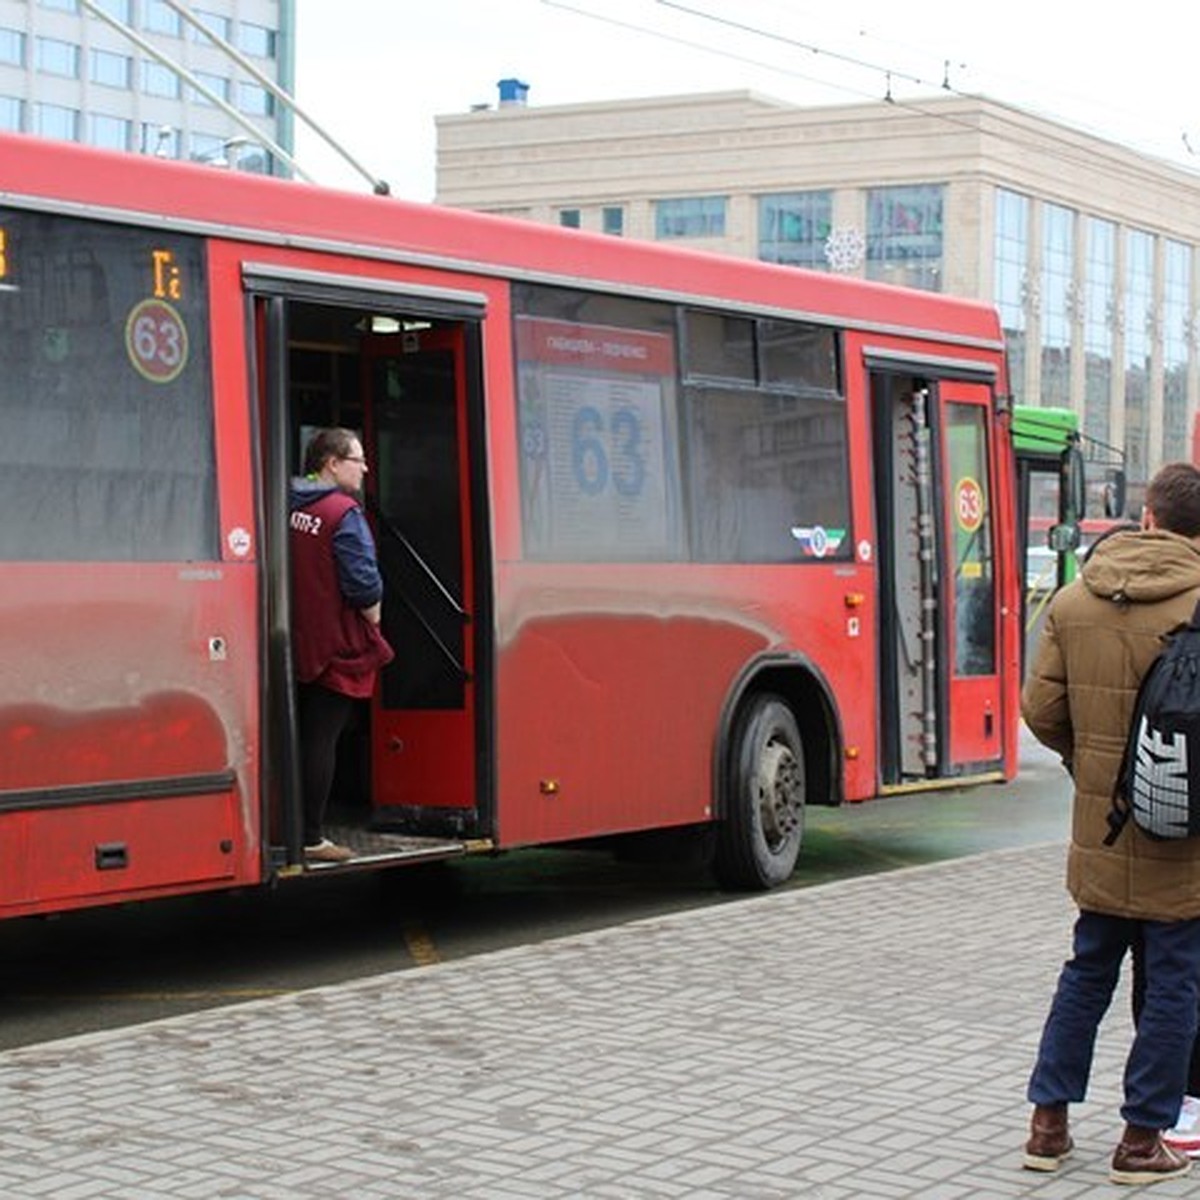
(1012, 255)
(56, 57)
(1099, 309)
(1058, 291)
(12, 47)
(1139, 343)
(112, 133)
(1177, 288)
(109, 69)
(56, 121)
(80, 64)
(904, 235)
(690, 217)
(794, 227)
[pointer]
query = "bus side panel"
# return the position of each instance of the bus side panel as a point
(69, 857)
(127, 681)
(609, 704)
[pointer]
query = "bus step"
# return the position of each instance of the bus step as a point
(373, 849)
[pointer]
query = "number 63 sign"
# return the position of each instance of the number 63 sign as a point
(156, 340)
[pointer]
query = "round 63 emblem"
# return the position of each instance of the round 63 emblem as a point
(156, 340)
(968, 504)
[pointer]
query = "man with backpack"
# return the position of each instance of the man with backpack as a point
(1102, 634)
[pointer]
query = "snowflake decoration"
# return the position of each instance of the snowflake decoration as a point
(845, 249)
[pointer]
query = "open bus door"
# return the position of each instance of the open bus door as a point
(940, 592)
(410, 782)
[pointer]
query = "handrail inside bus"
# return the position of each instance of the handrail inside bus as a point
(393, 532)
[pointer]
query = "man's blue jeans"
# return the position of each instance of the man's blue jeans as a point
(1157, 1066)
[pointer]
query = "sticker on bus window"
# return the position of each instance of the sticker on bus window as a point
(156, 340)
(816, 540)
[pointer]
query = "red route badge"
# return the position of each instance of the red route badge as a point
(156, 340)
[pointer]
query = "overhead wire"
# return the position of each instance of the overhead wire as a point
(1061, 152)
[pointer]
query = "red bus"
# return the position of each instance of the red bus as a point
(671, 540)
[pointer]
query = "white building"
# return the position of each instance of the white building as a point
(67, 73)
(1089, 249)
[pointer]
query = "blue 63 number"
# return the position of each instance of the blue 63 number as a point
(599, 455)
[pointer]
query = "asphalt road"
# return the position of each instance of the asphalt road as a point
(112, 967)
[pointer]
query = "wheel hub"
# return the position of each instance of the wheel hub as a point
(780, 793)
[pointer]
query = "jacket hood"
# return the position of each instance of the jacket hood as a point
(304, 492)
(1142, 565)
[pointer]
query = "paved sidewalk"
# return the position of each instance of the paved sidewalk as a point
(869, 1038)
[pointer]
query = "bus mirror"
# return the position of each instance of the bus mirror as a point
(1074, 483)
(1063, 538)
(1114, 494)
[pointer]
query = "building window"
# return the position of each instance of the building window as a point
(111, 70)
(1098, 315)
(58, 58)
(120, 9)
(221, 26)
(217, 84)
(255, 100)
(112, 133)
(158, 80)
(1139, 307)
(690, 217)
(904, 235)
(62, 5)
(568, 218)
(207, 147)
(12, 47)
(12, 114)
(256, 40)
(793, 228)
(1012, 255)
(1058, 303)
(613, 220)
(55, 121)
(158, 18)
(1177, 280)
(160, 140)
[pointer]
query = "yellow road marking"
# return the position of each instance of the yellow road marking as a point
(420, 946)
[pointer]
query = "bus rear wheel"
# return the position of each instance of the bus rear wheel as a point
(759, 838)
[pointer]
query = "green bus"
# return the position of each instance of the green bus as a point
(1070, 489)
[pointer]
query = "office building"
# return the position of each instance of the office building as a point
(1089, 249)
(66, 72)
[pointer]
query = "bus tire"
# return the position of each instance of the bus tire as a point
(759, 837)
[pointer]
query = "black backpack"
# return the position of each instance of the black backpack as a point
(1158, 784)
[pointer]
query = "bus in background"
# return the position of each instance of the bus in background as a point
(671, 541)
(1070, 489)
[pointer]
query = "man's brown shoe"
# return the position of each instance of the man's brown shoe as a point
(1049, 1138)
(1143, 1157)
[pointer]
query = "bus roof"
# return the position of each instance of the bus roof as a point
(64, 177)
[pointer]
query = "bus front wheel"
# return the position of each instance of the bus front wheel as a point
(759, 836)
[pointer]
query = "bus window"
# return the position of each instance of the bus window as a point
(106, 401)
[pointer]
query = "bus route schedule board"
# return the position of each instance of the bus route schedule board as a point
(595, 407)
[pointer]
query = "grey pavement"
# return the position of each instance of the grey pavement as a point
(866, 1038)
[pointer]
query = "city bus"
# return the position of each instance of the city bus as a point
(1070, 489)
(671, 541)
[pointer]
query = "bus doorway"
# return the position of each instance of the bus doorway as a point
(407, 782)
(939, 624)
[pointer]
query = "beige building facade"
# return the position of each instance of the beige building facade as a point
(1090, 251)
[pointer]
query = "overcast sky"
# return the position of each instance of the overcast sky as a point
(375, 72)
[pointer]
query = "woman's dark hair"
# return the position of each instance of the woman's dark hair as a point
(326, 444)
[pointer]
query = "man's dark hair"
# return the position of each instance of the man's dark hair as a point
(326, 444)
(1173, 496)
